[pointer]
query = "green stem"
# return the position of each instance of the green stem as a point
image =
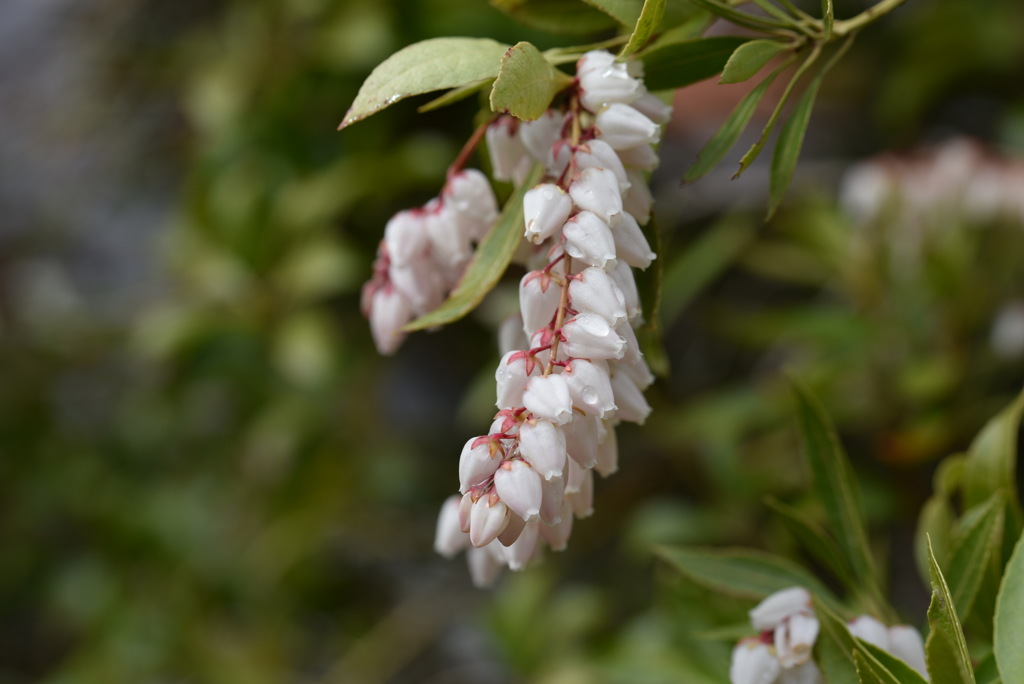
(848, 26)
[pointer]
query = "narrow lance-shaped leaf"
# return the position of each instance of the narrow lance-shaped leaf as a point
(750, 58)
(900, 670)
(649, 284)
(434, 64)
(787, 149)
(815, 541)
(488, 264)
(1009, 618)
(680, 64)
(973, 551)
(526, 83)
(992, 458)
(945, 649)
(646, 25)
(867, 673)
(840, 649)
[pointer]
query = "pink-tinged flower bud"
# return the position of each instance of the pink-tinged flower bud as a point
(512, 530)
(630, 244)
(588, 238)
(469, 193)
(557, 535)
(774, 609)
(509, 159)
(420, 284)
(465, 511)
(597, 190)
(794, 639)
(604, 84)
(652, 106)
(753, 663)
(581, 437)
(641, 157)
(637, 199)
(542, 444)
(478, 461)
(518, 485)
(487, 519)
(541, 135)
(590, 386)
(388, 313)
(546, 208)
(905, 643)
(539, 297)
(599, 154)
(520, 552)
(547, 398)
(406, 237)
(588, 336)
(607, 453)
(582, 498)
(552, 498)
(622, 275)
(623, 127)
(449, 245)
(867, 628)
(594, 292)
(484, 565)
(633, 408)
(511, 377)
(449, 538)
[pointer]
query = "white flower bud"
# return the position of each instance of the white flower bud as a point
(595, 60)
(581, 437)
(449, 538)
(477, 463)
(546, 208)
(588, 336)
(641, 157)
(582, 497)
(465, 512)
(469, 195)
(449, 245)
(539, 297)
(607, 453)
(794, 639)
(484, 565)
(594, 292)
(540, 135)
(774, 609)
(520, 552)
(602, 83)
(753, 663)
(486, 520)
(599, 154)
(631, 352)
(623, 127)
(552, 500)
(597, 190)
(588, 238)
(511, 378)
(509, 159)
(637, 371)
(653, 107)
(406, 237)
(637, 200)
(511, 335)
(622, 275)
(420, 284)
(590, 386)
(547, 398)
(388, 313)
(867, 628)
(542, 444)
(905, 643)
(557, 535)
(518, 485)
(633, 407)
(630, 244)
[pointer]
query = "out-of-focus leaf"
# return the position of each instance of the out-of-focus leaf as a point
(987, 672)
(935, 522)
(901, 672)
(869, 673)
(488, 264)
(434, 64)
(828, 15)
(815, 540)
(1009, 618)
(946, 649)
(726, 11)
(646, 25)
(841, 650)
(452, 96)
(683, 32)
(681, 64)
(750, 58)
(526, 83)
(626, 12)
(992, 458)
(559, 16)
(787, 149)
(973, 550)
(834, 659)
(649, 284)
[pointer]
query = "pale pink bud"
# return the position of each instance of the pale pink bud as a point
(512, 530)
(388, 313)
(590, 386)
(867, 628)
(582, 498)
(420, 284)
(633, 407)
(581, 437)
(653, 107)
(540, 135)
(637, 199)
(622, 275)
(794, 639)
(599, 154)
(542, 444)
(594, 292)
(449, 538)
(588, 238)
(557, 535)
(574, 477)
(546, 208)
(623, 127)
(487, 519)
(588, 336)
(406, 237)
(607, 453)
(484, 565)
(468, 193)
(604, 84)
(547, 398)
(518, 485)
(905, 643)
(478, 461)
(520, 552)
(774, 609)
(630, 244)
(509, 158)
(642, 157)
(552, 497)
(539, 297)
(753, 663)
(510, 378)
(597, 190)
(449, 245)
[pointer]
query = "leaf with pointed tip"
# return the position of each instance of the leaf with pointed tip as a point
(726, 11)
(489, 262)
(434, 64)
(680, 64)
(815, 540)
(787, 149)
(992, 458)
(526, 83)
(646, 25)
(945, 649)
(872, 662)
(935, 522)
(1009, 618)
(750, 58)
(973, 550)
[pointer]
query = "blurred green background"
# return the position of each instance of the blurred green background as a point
(208, 475)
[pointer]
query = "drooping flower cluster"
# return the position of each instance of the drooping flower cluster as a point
(574, 370)
(782, 651)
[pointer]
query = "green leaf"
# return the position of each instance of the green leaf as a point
(646, 25)
(743, 573)
(992, 458)
(423, 67)
(935, 522)
(815, 540)
(750, 58)
(626, 12)
(526, 83)
(867, 673)
(453, 96)
(945, 649)
(726, 136)
(726, 11)
(558, 16)
(787, 149)
(973, 550)
(897, 668)
(1009, 618)
(828, 16)
(986, 672)
(680, 64)
(872, 663)
(649, 285)
(836, 663)
(488, 264)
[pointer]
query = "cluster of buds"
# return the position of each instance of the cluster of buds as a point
(572, 368)
(787, 628)
(424, 253)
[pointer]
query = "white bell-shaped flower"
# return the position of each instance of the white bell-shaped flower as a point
(630, 244)
(582, 495)
(406, 236)
(552, 499)
(557, 535)
(539, 297)
(632, 406)
(794, 639)
(805, 673)
(420, 284)
(602, 83)
(590, 386)
(478, 461)
(637, 199)
(546, 208)
(753, 663)
(588, 336)
(510, 379)
(449, 538)
(389, 312)
(510, 160)
(581, 437)
(905, 643)
(588, 238)
(540, 135)
(653, 107)
(518, 485)
(594, 292)
(638, 372)
(542, 444)
(622, 127)
(547, 398)
(469, 194)
(867, 628)
(599, 154)
(487, 518)
(769, 613)
(607, 453)
(597, 190)
(631, 352)
(641, 157)
(520, 552)
(449, 245)
(485, 564)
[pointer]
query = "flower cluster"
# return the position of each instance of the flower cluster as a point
(573, 369)
(788, 628)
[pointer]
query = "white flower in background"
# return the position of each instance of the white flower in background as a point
(902, 641)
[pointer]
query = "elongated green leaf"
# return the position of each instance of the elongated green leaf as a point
(897, 668)
(626, 12)
(873, 661)
(869, 673)
(488, 264)
(423, 67)
(649, 285)
(726, 136)
(1009, 618)
(526, 83)
(835, 661)
(828, 16)
(750, 58)
(452, 96)
(681, 64)
(945, 649)
(743, 573)
(973, 550)
(572, 17)
(986, 672)
(935, 522)
(992, 458)
(646, 25)
(787, 149)
(815, 540)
